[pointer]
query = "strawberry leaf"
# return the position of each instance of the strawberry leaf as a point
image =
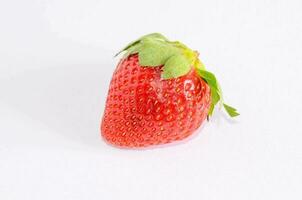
(216, 93)
(230, 110)
(209, 78)
(133, 49)
(175, 66)
(154, 53)
(215, 98)
(156, 36)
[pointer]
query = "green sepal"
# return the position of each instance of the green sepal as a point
(216, 93)
(132, 50)
(157, 36)
(215, 98)
(155, 52)
(176, 66)
(230, 110)
(210, 78)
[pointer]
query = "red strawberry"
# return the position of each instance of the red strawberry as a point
(159, 93)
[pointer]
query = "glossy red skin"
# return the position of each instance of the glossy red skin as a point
(143, 110)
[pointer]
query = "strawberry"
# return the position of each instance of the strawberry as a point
(160, 92)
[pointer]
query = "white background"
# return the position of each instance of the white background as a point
(56, 61)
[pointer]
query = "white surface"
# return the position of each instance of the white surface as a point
(55, 67)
